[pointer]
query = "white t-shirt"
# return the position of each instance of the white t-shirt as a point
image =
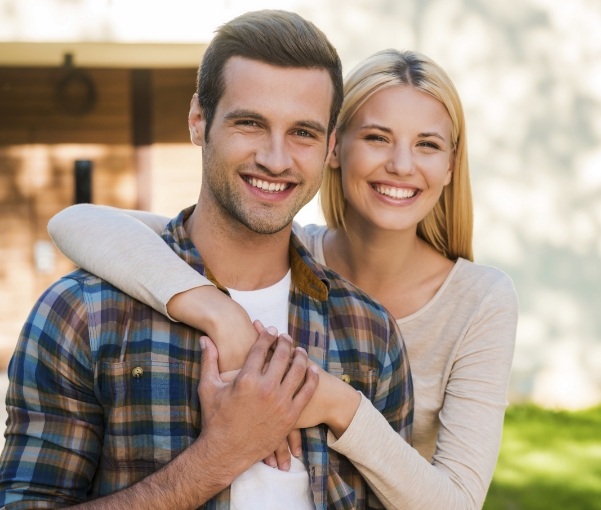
(262, 487)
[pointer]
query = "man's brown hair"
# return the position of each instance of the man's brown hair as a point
(275, 37)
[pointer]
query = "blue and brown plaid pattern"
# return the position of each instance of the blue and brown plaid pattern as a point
(103, 389)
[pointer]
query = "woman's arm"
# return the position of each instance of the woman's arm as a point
(471, 423)
(123, 247)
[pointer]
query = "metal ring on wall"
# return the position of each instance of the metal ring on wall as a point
(75, 93)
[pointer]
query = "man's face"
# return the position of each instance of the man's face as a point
(267, 144)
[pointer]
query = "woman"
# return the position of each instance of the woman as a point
(397, 202)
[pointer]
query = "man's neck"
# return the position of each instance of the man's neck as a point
(236, 256)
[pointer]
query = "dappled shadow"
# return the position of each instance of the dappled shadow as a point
(541, 495)
(549, 460)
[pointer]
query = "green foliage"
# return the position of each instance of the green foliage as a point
(549, 460)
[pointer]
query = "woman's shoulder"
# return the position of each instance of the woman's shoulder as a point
(483, 281)
(312, 237)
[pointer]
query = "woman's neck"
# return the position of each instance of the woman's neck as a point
(397, 268)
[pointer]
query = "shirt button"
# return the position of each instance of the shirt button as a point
(137, 372)
(345, 378)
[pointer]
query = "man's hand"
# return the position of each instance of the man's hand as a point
(245, 420)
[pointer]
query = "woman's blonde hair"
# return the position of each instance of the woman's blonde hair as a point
(448, 227)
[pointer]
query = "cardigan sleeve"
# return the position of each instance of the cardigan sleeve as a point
(123, 247)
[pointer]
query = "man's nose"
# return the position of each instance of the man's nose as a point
(274, 155)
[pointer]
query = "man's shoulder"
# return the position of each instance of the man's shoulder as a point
(81, 289)
(85, 283)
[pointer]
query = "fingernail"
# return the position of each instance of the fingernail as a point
(272, 463)
(285, 466)
(287, 337)
(272, 331)
(314, 369)
(297, 452)
(203, 343)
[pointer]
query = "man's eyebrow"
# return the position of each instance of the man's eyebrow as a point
(313, 125)
(246, 114)
(316, 126)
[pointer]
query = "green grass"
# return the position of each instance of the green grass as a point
(549, 460)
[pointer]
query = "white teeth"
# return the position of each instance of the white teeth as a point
(273, 187)
(392, 192)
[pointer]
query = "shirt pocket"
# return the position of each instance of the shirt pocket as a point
(364, 380)
(148, 412)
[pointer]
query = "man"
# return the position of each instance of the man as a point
(105, 396)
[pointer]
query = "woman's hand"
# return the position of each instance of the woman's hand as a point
(255, 412)
(223, 320)
(333, 403)
(281, 457)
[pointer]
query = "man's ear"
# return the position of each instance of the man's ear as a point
(334, 161)
(196, 122)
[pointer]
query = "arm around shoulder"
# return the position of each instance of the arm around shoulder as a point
(123, 248)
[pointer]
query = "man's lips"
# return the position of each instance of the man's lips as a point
(271, 187)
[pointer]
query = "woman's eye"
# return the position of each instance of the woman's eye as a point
(428, 145)
(375, 138)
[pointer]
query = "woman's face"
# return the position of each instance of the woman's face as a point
(395, 157)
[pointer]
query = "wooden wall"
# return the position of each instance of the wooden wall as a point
(39, 143)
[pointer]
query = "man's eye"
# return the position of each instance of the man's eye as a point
(304, 133)
(247, 123)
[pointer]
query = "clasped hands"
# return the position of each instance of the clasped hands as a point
(248, 414)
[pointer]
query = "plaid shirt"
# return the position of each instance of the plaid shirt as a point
(103, 388)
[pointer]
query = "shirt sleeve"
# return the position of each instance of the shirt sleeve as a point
(55, 423)
(471, 423)
(131, 256)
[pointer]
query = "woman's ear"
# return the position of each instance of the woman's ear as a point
(196, 122)
(449, 175)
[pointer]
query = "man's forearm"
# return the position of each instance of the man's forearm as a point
(188, 481)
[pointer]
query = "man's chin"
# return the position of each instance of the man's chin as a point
(266, 226)
(267, 229)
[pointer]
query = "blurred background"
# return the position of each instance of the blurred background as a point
(94, 96)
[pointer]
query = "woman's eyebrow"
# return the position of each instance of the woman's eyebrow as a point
(376, 126)
(434, 134)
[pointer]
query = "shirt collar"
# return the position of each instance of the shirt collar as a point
(307, 274)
